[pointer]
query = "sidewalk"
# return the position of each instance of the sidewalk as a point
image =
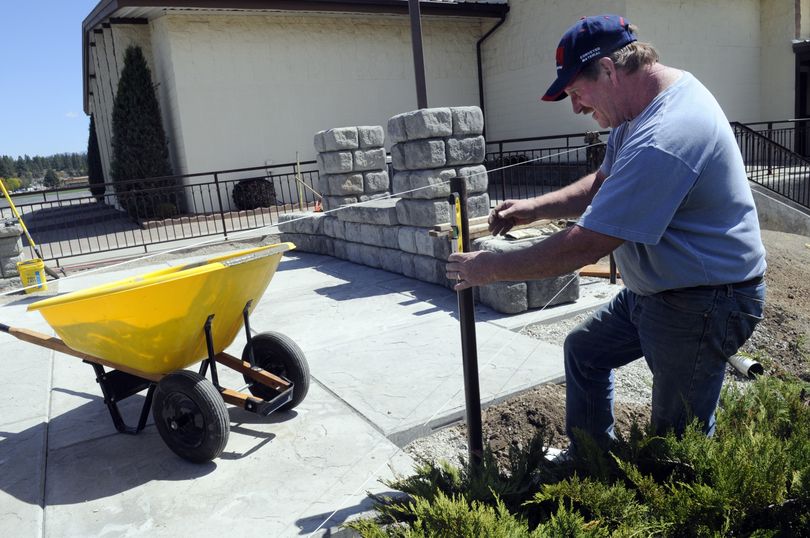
(385, 356)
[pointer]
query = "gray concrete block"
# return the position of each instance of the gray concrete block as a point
(340, 249)
(423, 184)
(423, 213)
(391, 260)
(359, 232)
(337, 139)
(390, 236)
(428, 213)
(416, 240)
(369, 159)
(419, 154)
(335, 162)
(317, 244)
(376, 181)
(553, 291)
(505, 297)
(334, 227)
(476, 178)
(396, 129)
(8, 266)
(364, 254)
(428, 123)
(470, 150)
(10, 246)
(382, 211)
(477, 205)
(335, 202)
(341, 184)
(503, 244)
(423, 268)
(370, 136)
(467, 120)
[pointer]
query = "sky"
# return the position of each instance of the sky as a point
(41, 84)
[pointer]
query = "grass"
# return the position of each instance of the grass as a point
(751, 479)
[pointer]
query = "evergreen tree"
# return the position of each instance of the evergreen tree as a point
(140, 150)
(51, 181)
(94, 171)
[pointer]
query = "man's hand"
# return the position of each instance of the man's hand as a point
(510, 213)
(470, 269)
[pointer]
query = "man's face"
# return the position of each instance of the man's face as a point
(594, 97)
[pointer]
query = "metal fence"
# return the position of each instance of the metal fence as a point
(774, 165)
(526, 167)
(72, 222)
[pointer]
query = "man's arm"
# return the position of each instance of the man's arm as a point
(563, 252)
(569, 201)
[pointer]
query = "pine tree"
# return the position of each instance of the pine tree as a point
(51, 181)
(140, 150)
(95, 172)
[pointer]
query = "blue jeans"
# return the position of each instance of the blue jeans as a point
(685, 336)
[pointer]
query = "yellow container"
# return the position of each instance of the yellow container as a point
(155, 322)
(32, 273)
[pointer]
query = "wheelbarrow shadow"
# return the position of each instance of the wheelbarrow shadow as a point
(78, 456)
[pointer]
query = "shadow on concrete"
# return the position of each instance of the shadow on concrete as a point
(333, 520)
(104, 465)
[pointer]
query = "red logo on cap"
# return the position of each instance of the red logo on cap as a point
(560, 55)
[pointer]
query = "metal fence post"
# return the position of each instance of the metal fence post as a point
(221, 210)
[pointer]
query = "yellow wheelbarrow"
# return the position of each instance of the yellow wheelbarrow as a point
(147, 329)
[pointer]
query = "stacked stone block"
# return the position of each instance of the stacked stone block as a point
(10, 250)
(351, 161)
(516, 297)
(432, 146)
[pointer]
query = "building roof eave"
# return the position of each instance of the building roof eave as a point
(107, 9)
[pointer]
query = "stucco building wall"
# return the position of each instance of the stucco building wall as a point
(739, 49)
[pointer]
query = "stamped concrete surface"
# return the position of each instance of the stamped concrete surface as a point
(385, 357)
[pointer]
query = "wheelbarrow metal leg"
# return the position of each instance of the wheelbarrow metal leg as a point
(116, 386)
(211, 360)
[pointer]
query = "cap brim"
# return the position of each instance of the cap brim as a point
(556, 92)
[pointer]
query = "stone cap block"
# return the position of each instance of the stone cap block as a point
(467, 120)
(337, 139)
(370, 136)
(334, 202)
(301, 222)
(13, 230)
(420, 124)
(381, 211)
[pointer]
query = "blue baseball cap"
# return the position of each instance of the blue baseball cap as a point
(589, 39)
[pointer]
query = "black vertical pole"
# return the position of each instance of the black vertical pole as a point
(418, 56)
(469, 351)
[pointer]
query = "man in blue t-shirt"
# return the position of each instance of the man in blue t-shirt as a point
(671, 200)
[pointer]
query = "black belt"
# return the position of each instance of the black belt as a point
(744, 284)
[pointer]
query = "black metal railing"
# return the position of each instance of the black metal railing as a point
(773, 165)
(73, 222)
(793, 134)
(526, 167)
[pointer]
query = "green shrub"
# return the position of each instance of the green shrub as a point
(751, 479)
(253, 193)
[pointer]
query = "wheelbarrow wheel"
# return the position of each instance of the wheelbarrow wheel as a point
(190, 416)
(280, 356)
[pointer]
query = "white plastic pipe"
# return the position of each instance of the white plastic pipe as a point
(747, 367)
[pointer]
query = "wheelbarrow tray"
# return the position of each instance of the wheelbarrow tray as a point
(153, 323)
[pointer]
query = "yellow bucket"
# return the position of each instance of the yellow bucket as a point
(32, 273)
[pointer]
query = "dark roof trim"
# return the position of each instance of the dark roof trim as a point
(128, 20)
(105, 8)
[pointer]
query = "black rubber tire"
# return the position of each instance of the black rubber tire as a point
(279, 355)
(191, 416)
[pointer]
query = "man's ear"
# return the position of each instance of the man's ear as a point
(607, 66)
